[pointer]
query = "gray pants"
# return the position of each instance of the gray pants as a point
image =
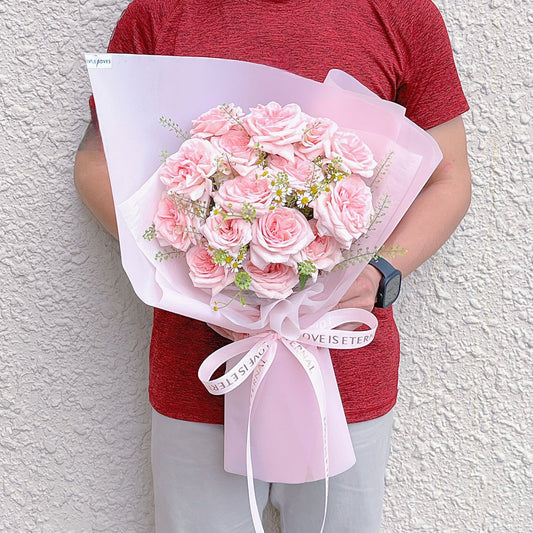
(193, 493)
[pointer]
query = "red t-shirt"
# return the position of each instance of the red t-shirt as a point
(398, 48)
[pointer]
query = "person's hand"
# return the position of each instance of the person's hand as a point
(228, 334)
(361, 294)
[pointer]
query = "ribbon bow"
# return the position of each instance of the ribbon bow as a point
(259, 352)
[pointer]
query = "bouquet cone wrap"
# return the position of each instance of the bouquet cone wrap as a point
(283, 414)
(286, 438)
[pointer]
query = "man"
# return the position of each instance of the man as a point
(400, 50)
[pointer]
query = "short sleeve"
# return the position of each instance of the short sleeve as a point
(135, 33)
(137, 29)
(430, 88)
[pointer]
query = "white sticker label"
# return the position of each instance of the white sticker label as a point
(98, 60)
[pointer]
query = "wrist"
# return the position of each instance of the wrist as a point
(375, 277)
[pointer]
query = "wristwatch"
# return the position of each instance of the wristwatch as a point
(389, 286)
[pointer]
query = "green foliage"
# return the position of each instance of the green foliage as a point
(303, 280)
(306, 267)
(391, 251)
(360, 255)
(311, 127)
(249, 212)
(281, 187)
(382, 205)
(381, 170)
(193, 207)
(334, 171)
(354, 256)
(224, 170)
(262, 156)
(305, 270)
(167, 253)
(150, 233)
(229, 110)
(243, 280)
(174, 127)
(307, 212)
(217, 306)
(221, 257)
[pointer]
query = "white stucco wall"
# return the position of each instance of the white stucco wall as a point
(74, 415)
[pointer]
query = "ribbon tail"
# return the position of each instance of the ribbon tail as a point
(326, 493)
(312, 369)
(257, 377)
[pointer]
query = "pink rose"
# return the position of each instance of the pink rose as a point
(175, 226)
(299, 171)
(187, 171)
(279, 236)
(229, 234)
(216, 121)
(317, 138)
(276, 280)
(356, 155)
(234, 146)
(250, 190)
(324, 252)
(345, 211)
(276, 128)
(204, 273)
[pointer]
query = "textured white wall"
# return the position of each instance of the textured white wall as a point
(74, 430)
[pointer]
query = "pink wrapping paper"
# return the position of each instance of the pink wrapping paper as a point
(299, 428)
(131, 93)
(276, 440)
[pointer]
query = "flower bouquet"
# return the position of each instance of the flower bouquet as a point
(258, 224)
(263, 202)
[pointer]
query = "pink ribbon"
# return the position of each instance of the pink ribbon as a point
(259, 352)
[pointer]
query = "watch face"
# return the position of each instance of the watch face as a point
(392, 290)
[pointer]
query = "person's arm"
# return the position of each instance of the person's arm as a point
(92, 179)
(135, 33)
(430, 220)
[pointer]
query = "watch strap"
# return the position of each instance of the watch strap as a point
(384, 297)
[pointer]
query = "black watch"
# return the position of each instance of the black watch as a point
(389, 286)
